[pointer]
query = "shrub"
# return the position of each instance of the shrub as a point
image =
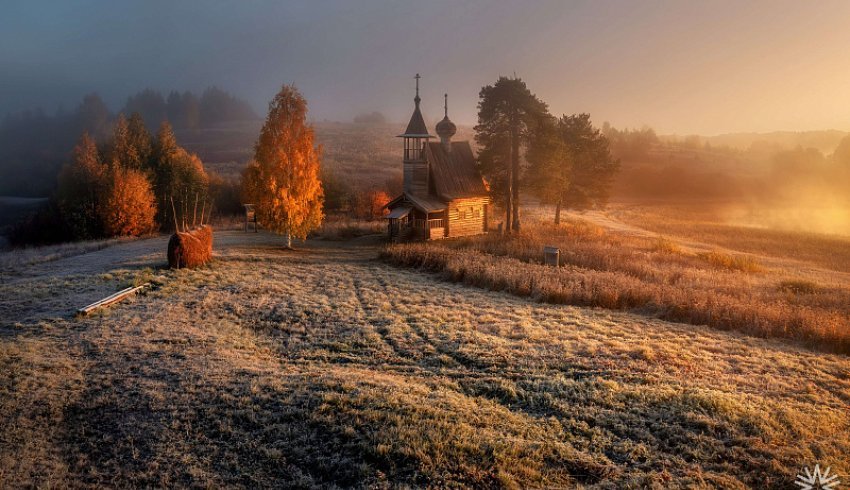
(43, 227)
(665, 245)
(743, 263)
(798, 286)
(369, 204)
(344, 229)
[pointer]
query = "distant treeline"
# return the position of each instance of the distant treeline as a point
(188, 111)
(34, 144)
(693, 167)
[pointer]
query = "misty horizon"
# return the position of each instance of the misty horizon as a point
(678, 68)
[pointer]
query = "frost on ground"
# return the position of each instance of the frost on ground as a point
(325, 367)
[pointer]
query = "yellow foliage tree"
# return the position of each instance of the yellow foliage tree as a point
(130, 206)
(283, 181)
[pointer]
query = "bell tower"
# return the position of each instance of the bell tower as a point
(415, 137)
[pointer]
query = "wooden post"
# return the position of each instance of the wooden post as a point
(195, 211)
(174, 215)
(551, 256)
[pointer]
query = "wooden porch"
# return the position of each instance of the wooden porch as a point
(417, 226)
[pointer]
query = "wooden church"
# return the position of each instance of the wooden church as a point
(444, 194)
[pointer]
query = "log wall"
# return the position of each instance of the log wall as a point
(467, 216)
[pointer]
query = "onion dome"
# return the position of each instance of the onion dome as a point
(446, 128)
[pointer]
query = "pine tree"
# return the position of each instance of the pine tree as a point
(592, 166)
(550, 166)
(283, 181)
(508, 113)
(571, 164)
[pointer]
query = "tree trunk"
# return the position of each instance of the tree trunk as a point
(558, 212)
(515, 174)
(288, 240)
(506, 230)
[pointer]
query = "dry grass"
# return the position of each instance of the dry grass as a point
(650, 275)
(743, 263)
(35, 255)
(710, 224)
(799, 286)
(665, 245)
(344, 228)
(326, 368)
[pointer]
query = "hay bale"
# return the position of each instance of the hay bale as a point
(190, 248)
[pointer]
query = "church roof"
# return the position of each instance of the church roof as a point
(416, 127)
(455, 173)
(427, 204)
(446, 128)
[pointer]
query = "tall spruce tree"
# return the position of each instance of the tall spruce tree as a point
(283, 182)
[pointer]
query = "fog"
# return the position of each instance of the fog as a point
(722, 68)
(680, 67)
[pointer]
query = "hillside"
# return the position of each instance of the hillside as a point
(361, 154)
(825, 141)
(324, 367)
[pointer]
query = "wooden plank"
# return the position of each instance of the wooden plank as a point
(111, 299)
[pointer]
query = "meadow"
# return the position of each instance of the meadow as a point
(325, 367)
(766, 283)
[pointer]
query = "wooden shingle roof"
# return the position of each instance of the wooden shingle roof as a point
(455, 174)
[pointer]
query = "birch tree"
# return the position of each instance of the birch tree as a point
(283, 181)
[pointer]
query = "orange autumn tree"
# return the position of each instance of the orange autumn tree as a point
(130, 206)
(283, 180)
(370, 204)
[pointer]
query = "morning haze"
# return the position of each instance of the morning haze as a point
(425, 244)
(679, 67)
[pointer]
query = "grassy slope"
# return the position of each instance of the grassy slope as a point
(621, 267)
(711, 226)
(325, 367)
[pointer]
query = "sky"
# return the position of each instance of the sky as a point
(685, 67)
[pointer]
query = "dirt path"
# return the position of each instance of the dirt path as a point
(326, 367)
(55, 288)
